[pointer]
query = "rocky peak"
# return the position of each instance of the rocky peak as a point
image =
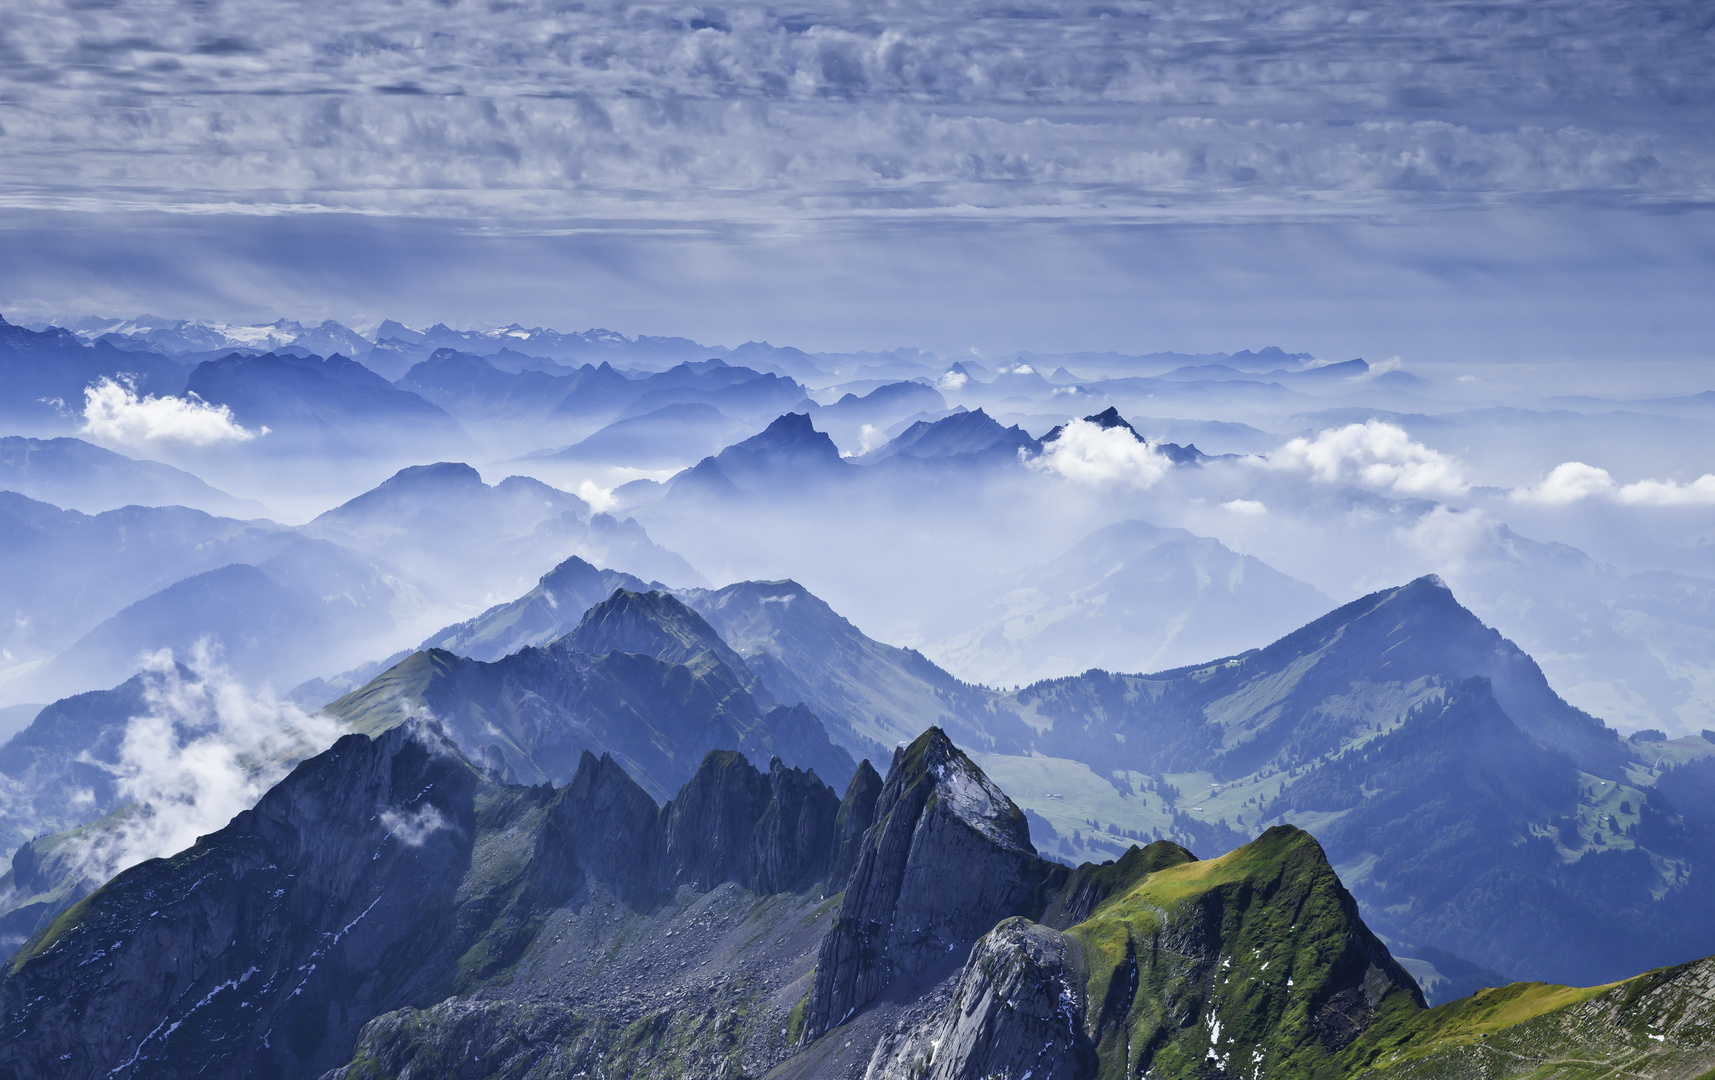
(1107, 418)
(855, 816)
(966, 791)
(710, 824)
(610, 825)
(948, 856)
(789, 431)
(654, 624)
(794, 842)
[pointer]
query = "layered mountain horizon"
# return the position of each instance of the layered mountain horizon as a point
(529, 704)
(1390, 727)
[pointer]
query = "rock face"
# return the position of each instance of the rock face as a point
(261, 950)
(382, 874)
(1018, 1011)
(855, 816)
(769, 833)
(948, 856)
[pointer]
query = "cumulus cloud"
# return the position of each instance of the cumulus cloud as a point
(1574, 481)
(1087, 453)
(1374, 455)
(1246, 507)
(206, 749)
(113, 412)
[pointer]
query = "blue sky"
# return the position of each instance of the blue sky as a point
(1337, 177)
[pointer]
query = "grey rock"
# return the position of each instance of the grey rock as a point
(856, 815)
(949, 855)
(1018, 1011)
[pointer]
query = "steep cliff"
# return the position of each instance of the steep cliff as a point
(948, 856)
(391, 873)
(1018, 1010)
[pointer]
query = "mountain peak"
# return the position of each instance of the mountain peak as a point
(788, 429)
(1110, 418)
(961, 433)
(969, 794)
(1448, 640)
(789, 452)
(948, 856)
(652, 623)
(1106, 419)
(438, 475)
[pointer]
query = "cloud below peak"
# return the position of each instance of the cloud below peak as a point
(1087, 453)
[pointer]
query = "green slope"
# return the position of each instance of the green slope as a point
(1254, 961)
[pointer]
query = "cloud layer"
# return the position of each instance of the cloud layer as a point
(745, 111)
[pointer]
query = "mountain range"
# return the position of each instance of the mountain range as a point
(392, 910)
(78, 475)
(1398, 728)
(652, 794)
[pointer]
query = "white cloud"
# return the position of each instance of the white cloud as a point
(1247, 507)
(600, 499)
(113, 412)
(870, 437)
(1574, 481)
(1569, 482)
(1375, 455)
(413, 827)
(206, 749)
(1700, 492)
(1087, 453)
(1449, 539)
(952, 381)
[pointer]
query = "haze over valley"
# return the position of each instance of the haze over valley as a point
(882, 541)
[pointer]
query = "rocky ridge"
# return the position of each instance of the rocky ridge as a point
(658, 710)
(391, 910)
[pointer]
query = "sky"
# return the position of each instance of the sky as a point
(1448, 181)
